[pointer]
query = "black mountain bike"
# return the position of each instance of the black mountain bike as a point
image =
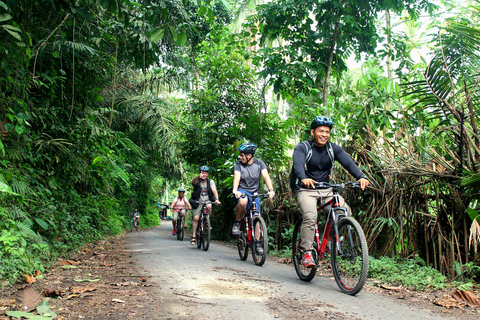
(343, 239)
(204, 228)
(180, 226)
(253, 233)
(134, 224)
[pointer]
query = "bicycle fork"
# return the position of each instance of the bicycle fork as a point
(332, 221)
(248, 230)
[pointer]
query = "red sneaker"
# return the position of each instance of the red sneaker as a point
(174, 232)
(308, 261)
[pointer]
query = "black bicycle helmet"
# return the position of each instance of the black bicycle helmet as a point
(321, 121)
(247, 148)
(181, 190)
(204, 168)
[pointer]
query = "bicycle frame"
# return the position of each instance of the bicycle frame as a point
(203, 212)
(332, 220)
(253, 233)
(248, 217)
(180, 218)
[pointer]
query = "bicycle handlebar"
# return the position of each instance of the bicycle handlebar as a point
(338, 186)
(258, 195)
(204, 202)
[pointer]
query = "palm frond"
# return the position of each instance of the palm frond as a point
(46, 143)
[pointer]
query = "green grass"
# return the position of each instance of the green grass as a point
(411, 273)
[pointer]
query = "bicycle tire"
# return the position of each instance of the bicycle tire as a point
(206, 233)
(350, 269)
(136, 225)
(305, 274)
(242, 242)
(199, 234)
(259, 259)
(177, 229)
(180, 229)
(132, 226)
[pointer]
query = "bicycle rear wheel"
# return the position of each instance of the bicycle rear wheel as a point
(206, 233)
(305, 274)
(351, 267)
(242, 242)
(259, 258)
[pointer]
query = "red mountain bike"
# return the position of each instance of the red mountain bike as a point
(253, 233)
(348, 247)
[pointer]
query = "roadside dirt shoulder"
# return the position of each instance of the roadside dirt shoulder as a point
(98, 282)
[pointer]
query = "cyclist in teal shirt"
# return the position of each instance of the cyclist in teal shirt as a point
(246, 179)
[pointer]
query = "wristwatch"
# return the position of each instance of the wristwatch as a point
(270, 190)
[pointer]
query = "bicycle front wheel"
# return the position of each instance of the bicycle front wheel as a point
(305, 274)
(199, 233)
(242, 242)
(260, 246)
(180, 229)
(132, 226)
(206, 233)
(350, 267)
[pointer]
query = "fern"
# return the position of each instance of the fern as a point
(15, 212)
(21, 187)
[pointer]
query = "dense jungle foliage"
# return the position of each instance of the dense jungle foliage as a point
(111, 105)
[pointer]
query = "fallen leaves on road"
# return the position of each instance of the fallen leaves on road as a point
(397, 288)
(66, 263)
(82, 289)
(459, 299)
(28, 298)
(466, 296)
(29, 279)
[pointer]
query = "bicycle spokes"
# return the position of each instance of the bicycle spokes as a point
(242, 242)
(350, 261)
(305, 274)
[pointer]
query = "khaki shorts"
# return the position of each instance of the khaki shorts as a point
(175, 214)
(198, 210)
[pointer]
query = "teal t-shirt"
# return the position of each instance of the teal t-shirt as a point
(250, 175)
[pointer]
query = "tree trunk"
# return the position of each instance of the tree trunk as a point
(333, 43)
(388, 28)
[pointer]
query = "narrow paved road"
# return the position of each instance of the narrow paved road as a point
(216, 284)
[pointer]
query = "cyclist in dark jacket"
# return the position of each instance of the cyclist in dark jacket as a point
(317, 169)
(203, 189)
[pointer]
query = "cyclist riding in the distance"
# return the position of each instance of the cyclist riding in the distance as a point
(136, 214)
(317, 169)
(246, 179)
(204, 189)
(179, 205)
